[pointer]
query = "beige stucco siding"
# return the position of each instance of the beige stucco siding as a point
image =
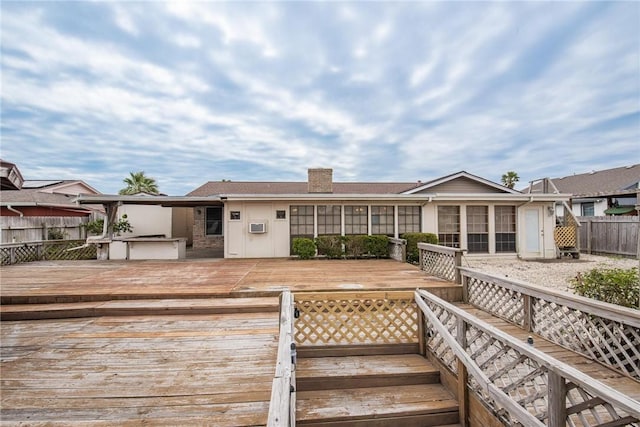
(147, 220)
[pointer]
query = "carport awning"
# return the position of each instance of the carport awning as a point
(621, 210)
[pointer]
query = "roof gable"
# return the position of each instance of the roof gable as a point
(66, 187)
(462, 182)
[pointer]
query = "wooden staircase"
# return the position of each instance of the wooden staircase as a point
(357, 389)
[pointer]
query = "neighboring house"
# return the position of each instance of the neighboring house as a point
(260, 219)
(599, 193)
(40, 205)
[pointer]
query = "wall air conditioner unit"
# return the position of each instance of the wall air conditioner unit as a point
(257, 227)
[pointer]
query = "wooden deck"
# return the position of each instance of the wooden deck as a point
(72, 281)
(156, 370)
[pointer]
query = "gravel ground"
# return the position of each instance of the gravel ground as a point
(555, 273)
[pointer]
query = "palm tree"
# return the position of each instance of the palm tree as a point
(137, 182)
(509, 179)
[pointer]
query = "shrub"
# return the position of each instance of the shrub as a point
(304, 248)
(378, 246)
(95, 227)
(355, 246)
(413, 254)
(616, 286)
(56, 234)
(331, 246)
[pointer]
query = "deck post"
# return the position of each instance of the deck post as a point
(463, 375)
(458, 263)
(528, 312)
(557, 392)
(465, 288)
(422, 344)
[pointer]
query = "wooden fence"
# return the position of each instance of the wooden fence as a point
(68, 250)
(15, 229)
(615, 235)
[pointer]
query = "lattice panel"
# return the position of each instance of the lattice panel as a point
(607, 341)
(18, 254)
(439, 264)
(436, 343)
(585, 409)
(60, 251)
(521, 378)
(356, 321)
(565, 237)
(497, 300)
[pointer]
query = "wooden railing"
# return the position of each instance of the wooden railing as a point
(282, 407)
(604, 332)
(520, 384)
(347, 318)
(440, 261)
(60, 250)
(398, 249)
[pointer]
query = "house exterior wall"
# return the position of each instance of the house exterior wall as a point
(599, 206)
(239, 243)
(200, 239)
(182, 223)
(147, 220)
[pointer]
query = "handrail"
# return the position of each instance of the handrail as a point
(601, 331)
(282, 403)
(551, 365)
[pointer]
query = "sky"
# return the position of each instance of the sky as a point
(191, 92)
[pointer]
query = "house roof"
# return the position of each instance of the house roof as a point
(616, 181)
(212, 188)
(10, 176)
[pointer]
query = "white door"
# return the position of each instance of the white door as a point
(533, 233)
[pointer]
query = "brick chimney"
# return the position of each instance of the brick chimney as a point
(320, 180)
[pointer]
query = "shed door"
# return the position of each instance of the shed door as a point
(533, 238)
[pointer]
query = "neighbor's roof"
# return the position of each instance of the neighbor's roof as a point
(35, 197)
(616, 181)
(244, 187)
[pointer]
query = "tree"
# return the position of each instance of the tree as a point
(509, 179)
(138, 182)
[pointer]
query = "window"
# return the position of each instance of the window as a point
(478, 229)
(281, 214)
(382, 220)
(355, 220)
(505, 228)
(213, 221)
(329, 220)
(449, 226)
(234, 215)
(587, 209)
(408, 219)
(301, 221)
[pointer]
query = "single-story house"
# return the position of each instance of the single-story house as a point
(599, 193)
(260, 219)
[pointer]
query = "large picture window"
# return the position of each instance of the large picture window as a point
(213, 221)
(449, 226)
(301, 220)
(478, 229)
(355, 220)
(505, 228)
(382, 220)
(329, 220)
(408, 219)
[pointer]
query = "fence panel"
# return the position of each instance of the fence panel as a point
(610, 235)
(29, 229)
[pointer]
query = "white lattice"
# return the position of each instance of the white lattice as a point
(497, 300)
(439, 264)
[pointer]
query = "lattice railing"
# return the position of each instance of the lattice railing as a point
(565, 237)
(521, 385)
(344, 318)
(14, 253)
(440, 261)
(604, 332)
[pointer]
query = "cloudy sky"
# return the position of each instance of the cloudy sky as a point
(384, 91)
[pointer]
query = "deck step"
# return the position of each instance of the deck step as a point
(138, 307)
(326, 373)
(409, 405)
